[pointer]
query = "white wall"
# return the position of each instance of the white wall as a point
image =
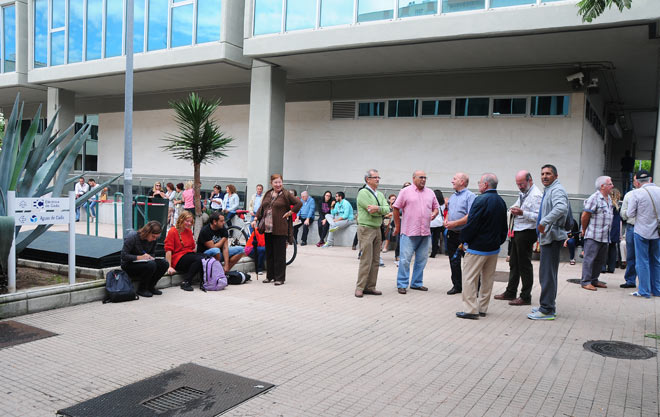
(592, 160)
(150, 127)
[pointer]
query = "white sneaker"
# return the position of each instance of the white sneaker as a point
(396, 263)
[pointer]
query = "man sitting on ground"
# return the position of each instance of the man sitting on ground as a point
(212, 241)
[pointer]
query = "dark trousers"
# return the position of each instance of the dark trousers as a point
(323, 228)
(436, 240)
(147, 273)
(276, 257)
(305, 230)
(595, 256)
(520, 264)
(455, 256)
(548, 276)
(191, 265)
(613, 255)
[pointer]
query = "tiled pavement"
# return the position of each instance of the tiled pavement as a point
(331, 354)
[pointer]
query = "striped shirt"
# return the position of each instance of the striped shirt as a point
(601, 217)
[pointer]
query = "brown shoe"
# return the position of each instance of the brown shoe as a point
(504, 296)
(519, 302)
(401, 290)
(358, 293)
(589, 287)
(372, 292)
(600, 284)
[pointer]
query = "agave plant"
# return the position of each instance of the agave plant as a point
(35, 165)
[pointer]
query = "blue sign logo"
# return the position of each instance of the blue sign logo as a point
(34, 218)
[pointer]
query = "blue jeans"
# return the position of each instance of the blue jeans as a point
(233, 250)
(647, 264)
(631, 272)
(418, 245)
(91, 207)
(571, 244)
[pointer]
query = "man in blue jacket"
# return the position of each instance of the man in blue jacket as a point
(484, 233)
(306, 216)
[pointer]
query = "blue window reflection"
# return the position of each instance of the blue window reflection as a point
(507, 3)
(208, 20)
(114, 20)
(450, 6)
(371, 109)
(40, 33)
(418, 8)
(94, 29)
(369, 10)
(138, 26)
(550, 106)
(300, 14)
(476, 106)
(9, 38)
(336, 12)
(157, 29)
(182, 25)
(57, 48)
(58, 14)
(267, 16)
(75, 30)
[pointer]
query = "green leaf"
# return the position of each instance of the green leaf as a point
(26, 147)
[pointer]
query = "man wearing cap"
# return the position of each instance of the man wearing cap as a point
(643, 206)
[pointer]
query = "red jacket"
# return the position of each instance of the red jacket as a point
(173, 244)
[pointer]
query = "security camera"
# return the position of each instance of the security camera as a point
(577, 76)
(593, 84)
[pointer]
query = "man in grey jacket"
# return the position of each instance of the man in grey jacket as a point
(550, 225)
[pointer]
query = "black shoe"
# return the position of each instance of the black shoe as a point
(144, 293)
(186, 286)
(626, 285)
(482, 314)
(303, 243)
(432, 255)
(453, 291)
(154, 291)
(463, 315)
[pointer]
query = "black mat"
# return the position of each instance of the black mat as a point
(91, 251)
(188, 390)
(13, 333)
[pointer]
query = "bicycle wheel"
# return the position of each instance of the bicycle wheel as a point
(237, 237)
(291, 251)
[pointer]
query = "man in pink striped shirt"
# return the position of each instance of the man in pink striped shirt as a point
(420, 207)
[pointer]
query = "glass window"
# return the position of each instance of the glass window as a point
(418, 8)
(509, 106)
(369, 10)
(114, 22)
(208, 20)
(372, 109)
(9, 38)
(57, 48)
(550, 106)
(336, 12)
(40, 33)
(182, 25)
(157, 30)
(94, 30)
(507, 3)
(75, 30)
(402, 108)
(450, 6)
(436, 108)
(300, 14)
(138, 26)
(474, 106)
(267, 16)
(58, 14)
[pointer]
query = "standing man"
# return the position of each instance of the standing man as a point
(629, 223)
(643, 205)
(213, 241)
(458, 208)
(550, 225)
(421, 206)
(525, 211)
(93, 200)
(306, 216)
(340, 216)
(596, 223)
(627, 168)
(80, 189)
(371, 206)
(484, 233)
(255, 200)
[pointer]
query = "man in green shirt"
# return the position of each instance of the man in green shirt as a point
(372, 206)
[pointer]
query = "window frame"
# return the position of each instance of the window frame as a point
(488, 114)
(3, 47)
(528, 100)
(570, 103)
(417, 108)
(385, 107)
(173, 4)
(438, 116)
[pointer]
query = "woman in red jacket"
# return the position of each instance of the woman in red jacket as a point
(180, 251)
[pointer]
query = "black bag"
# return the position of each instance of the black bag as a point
(237, 278)
(568, 226)
(119, 287)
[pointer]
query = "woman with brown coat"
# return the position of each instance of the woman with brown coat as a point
(274, 219)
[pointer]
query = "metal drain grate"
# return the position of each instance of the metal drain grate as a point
(619, 350)
(173, 399)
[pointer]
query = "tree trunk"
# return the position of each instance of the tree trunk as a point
(198, 203)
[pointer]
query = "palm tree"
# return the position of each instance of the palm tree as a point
(591, 9)
(199, 139)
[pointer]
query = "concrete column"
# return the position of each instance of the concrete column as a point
(655, 164)
(63, 100)
(266, 126)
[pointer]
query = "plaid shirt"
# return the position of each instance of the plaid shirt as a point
(601, 217)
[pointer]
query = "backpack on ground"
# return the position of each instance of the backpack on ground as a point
(213, 275)
(237, 278)
(119, 287)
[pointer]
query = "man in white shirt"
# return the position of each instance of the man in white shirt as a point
(80, 189)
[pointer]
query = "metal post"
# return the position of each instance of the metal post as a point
(11, 262)
(127, 214)
(72, 237)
